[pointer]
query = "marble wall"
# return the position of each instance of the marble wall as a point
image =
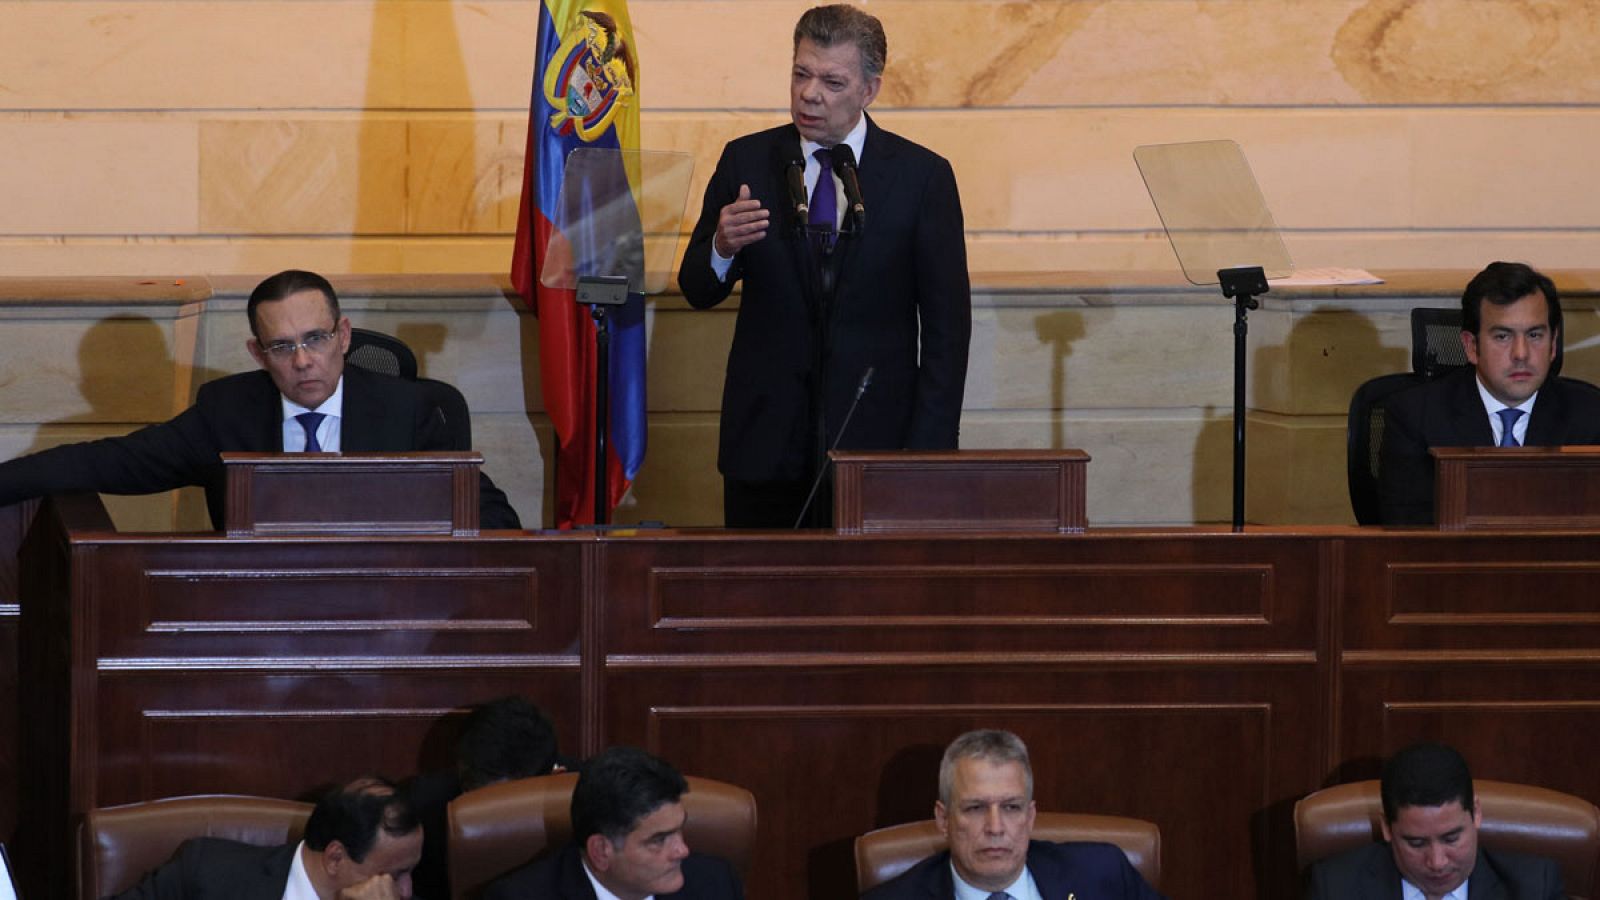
(159, 136)
(185, 138)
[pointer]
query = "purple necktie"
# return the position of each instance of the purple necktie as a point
(1508, 418)
(824, 217)
(309, 421)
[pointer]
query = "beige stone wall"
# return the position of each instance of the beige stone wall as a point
(184, 138)
(216, 136)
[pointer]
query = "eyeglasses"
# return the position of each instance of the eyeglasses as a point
(314, 343)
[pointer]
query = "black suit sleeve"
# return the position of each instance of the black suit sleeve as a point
(1405, 470)
(494, 510)
(944, 309)
(699, 284)
(159, 457)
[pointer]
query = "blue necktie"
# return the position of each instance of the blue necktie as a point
(999, 895)
(824, 216)
(309, 421)
(1508, 418)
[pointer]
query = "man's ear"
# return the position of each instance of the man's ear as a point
(1469, 343)
(598, 850)
(333, 856)
(940, 819)
(256, 353)
(342, 332)
(1383, 824)
(874, 84)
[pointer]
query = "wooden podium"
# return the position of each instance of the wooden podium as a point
(352, 493)
(959, 490)
(1517, 487)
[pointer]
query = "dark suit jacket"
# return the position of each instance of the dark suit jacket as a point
(1369, 873)
(239, 413)
(1089, 871)
(561, 877)
(207, 868)
(908, 270)
(1449, 412)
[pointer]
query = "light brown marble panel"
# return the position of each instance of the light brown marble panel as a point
(102, 176)
(265, 176)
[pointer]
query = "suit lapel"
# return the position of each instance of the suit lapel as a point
(1469, 419)
(1549, 413)
(574, 881)
(1485, 883)
(362, 415)
(273, 877)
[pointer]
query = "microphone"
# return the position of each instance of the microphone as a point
(844, 164)
(861, 390)
(794, 173)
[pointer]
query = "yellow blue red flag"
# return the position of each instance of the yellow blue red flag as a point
(585, 94)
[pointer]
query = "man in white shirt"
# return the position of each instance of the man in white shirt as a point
(361, 843)
(986, 811)
(1510, 328)
(1430, 823)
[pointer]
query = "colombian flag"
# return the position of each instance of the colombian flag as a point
(585, 94)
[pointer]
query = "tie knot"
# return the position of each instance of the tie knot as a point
(824, 158)
(1508, 419)
(999, 895)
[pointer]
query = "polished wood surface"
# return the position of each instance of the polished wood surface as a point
(922, 491)
(1198, 679)
(352, 493)
(1517, 487)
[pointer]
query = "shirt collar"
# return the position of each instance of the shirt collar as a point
(332, 407)
(299, 886)
(1493, 405)
(600, 892)
(857, 139)
(1022, 888)
(1409, 891)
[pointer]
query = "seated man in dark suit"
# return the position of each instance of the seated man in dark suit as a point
(302, 399)
(504, 739)
(1506, 399)
(627, 841)
(361, 843)
(986, 811)
(1430, 821)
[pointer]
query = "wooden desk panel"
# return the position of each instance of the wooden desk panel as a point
(831, 752)
(1107, 594)
(1198, 679)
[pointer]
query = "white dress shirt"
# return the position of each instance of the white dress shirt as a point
(294, 436)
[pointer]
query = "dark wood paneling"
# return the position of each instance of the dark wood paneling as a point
(1514, 719)
(873, 595)
(287, 733)
(833, 752)
(1454, 593)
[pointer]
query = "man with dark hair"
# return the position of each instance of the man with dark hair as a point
(986, 811)
(501, 740)
(303, 398)
(828, 294)
(360, 843)
(627, 841)
(1510, 328)
(1430, 823)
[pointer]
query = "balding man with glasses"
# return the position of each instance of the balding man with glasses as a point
(302, 399)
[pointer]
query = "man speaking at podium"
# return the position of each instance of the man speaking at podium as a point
(850, 245)
(302, 399)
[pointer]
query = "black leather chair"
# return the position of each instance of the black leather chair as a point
(1364, 435)
(378, 352)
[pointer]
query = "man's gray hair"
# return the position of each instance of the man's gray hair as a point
(990, 745)
(841, 23)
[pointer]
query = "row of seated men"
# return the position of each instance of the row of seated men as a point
(304, 398)
(628, 820)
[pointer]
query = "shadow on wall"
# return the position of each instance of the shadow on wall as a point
(1311, 376)
(1059, 331)
(125, 369)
